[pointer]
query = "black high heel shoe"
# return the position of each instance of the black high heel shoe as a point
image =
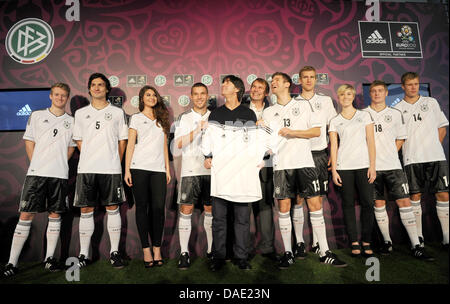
(356, 247)
(365, 249)
(149, 264)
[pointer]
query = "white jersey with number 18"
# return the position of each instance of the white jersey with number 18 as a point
(389, 127)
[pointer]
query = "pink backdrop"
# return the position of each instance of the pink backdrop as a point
(171, 37)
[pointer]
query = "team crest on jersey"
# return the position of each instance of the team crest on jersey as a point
(66, 124)
(245, 137)
(388, 118)
(295, 111)
(424, 107)
(108, 116)
(318, 106)
(277, 190)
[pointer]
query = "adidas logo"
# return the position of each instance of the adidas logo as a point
(25, 111)
(376, 37)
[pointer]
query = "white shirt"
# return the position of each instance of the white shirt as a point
(52, 136)
(353, 152)
(100, 131)
(149, 148)
(389, 126)
(324, 109)
(423, 119)
(237, 152)
(192, 162)
(258, 113)
(291, 153)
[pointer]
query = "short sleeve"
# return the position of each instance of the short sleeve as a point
(77, 128)
(123, 128)
(29, 132)
(332, 127)
(439, 115)
(402, 133)
(132, 124)
(331, 111)
(367, 118)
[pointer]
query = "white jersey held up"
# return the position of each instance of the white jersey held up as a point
(388, 127)
(192, 162)
(100, 132)
(323, 108)
(236, 154)
(52, 136)
(291, 153)
(149, 149)
(423, 119)
(353, 152)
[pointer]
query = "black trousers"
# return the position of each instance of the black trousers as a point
(241, 223)
(149, 191)
(263, 211)
(353, 180)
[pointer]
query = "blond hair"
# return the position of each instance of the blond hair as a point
(344, 88)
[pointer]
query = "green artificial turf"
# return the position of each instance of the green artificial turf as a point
(398, 268)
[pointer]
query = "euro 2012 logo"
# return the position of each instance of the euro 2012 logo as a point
(405, 33)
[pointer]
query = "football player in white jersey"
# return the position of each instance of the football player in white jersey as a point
(147, 170)
(49, 146)
(294, 177)
(423, 155)
(324, 109)
(353, 166)
(195, 178)
(390, 134)
(101, 134)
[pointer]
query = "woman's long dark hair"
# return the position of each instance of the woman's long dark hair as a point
(160, 109)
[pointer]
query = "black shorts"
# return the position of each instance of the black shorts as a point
(396, 185)
(432, 176)
(288, 183)
(194, 190)
(93, 189)
(40, 194)
(321, 163)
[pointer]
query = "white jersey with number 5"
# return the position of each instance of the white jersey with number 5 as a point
(423, 119)
(388, 126)
(52, 136)
(100, 132)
